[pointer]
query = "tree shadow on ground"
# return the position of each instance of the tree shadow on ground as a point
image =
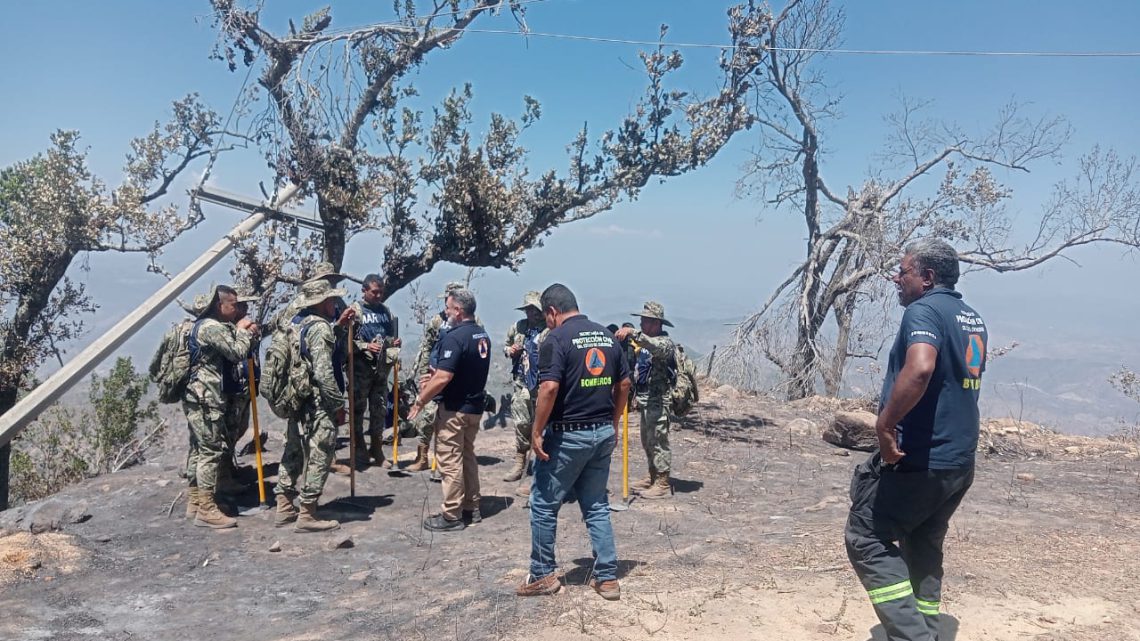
(948, 630)
(686, 486)
(358, 508)
(491, 505)
(582, 571)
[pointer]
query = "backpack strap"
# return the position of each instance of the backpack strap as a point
(194, 348)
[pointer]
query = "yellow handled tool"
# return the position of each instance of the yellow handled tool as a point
(256, 431)
(625, 452)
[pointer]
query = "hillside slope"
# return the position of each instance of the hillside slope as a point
(1046, 547)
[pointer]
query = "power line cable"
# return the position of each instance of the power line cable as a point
(877, 52)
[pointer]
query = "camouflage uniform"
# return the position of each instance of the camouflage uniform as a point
(310, 440)
(522, 402)
(220, 345)
(237, 398)
(424, 422)
(370, 371)
(653, 394)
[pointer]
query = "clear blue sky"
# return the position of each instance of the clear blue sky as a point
(109, 69)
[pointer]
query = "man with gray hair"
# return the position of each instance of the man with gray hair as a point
(927, 427)
(459, 376)
(424, 421)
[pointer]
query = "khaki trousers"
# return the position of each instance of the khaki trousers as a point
(455, 434)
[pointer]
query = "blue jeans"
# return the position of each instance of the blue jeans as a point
(579, 463)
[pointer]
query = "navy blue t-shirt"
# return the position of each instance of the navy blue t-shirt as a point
(586, 362)
(375, 322)
(941, 432)
(465, 351)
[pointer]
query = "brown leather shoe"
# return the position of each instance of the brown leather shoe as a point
(549, 584)
(608, 590)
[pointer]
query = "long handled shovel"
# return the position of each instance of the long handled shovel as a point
(626, 499)
(395, 470)
(351, 413)
(256, 441)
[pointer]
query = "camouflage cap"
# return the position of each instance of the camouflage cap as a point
(314, 292)
(248, 298)
(326, 272)
(531, 299)
(453, 286)
(653, 309)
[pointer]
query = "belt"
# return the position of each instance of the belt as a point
(577, 426)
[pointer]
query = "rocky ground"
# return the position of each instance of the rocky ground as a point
(1045, 547)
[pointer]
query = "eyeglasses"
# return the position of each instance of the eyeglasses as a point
(903, 272)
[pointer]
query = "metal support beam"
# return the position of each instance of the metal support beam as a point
(30, 407)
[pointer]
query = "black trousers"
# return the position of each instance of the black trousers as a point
(894, 535)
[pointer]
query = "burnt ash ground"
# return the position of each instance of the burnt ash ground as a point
(1044, 547)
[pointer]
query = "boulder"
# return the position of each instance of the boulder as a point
(852, 430)
(46, 516)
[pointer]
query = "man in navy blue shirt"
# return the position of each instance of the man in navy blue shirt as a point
(928, 432)
(459, 377)
(583, 386)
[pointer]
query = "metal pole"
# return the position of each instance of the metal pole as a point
(351, 413)
(396, 418)
(30, 407)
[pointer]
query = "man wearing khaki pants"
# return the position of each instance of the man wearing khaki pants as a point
(458, 371)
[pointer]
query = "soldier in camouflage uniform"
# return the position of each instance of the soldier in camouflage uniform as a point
(653, 376)
(215, 345)
(323, 271)
(235, 391)
(310, 439)
(376, 348)
(523, 339)
(425, 420)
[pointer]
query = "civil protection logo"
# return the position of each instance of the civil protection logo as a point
(595, 361)
(975, 351)
(484, 348)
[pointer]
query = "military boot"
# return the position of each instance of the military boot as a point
(377, 452)
(421, 462)
(519, 469)
(209, 515)
(192, 502)
(307, 521)
(646, 483)
(660, 488)
(286, 511)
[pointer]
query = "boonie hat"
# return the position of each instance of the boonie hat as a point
(531, 299)
(653, 309)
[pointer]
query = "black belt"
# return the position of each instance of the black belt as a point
(577, 426)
